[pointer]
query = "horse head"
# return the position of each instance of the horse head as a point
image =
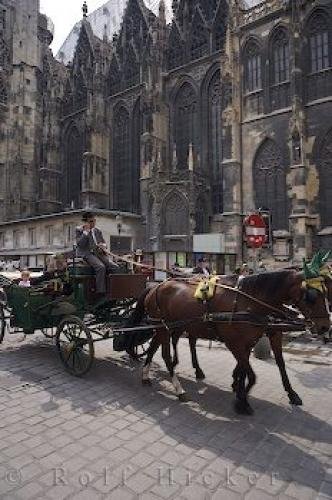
(312, 291)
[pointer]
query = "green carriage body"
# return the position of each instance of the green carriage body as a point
(33, 309)
(68, 310)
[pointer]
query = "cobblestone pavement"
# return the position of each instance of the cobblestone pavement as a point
(107, 436)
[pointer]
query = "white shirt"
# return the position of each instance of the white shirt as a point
(25, 284)
(92, 231)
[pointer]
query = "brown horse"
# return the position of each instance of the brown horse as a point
(173, 303)
(275, 338)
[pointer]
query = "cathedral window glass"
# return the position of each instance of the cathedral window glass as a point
(253, 79)
(254, 70)
(319, 71)
(280, 58)
(319, 44)
(215, 141)
(269, 177)
(185, 125)
(121, 160)
(3, 92)
(136, 163)
(74, 162)
(4, 54)
(280, 91)
(325, 180)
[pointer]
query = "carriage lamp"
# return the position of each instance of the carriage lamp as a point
(118, 220)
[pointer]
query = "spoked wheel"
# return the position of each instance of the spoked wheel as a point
(75, 345)
(49, 333)
(2, 323)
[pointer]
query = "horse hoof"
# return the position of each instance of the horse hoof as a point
(200, 375)
(146, 382)
(243, 408)
(183, 398)
(295, 399)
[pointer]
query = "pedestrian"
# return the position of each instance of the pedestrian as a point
(202, 267)
(25, 279)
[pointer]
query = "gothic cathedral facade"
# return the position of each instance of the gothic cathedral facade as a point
(190, 124)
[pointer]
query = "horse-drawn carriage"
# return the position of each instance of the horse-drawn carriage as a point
(66, 309)
(219, 309)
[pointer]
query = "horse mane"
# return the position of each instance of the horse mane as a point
(268, 284)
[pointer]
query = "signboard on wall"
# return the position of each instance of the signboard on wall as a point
(209, 243)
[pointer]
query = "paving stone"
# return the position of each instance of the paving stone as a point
(149, 446)
(30, 490)
(139, 482)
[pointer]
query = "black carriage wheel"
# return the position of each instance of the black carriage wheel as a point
(2, 323)
(75, 345)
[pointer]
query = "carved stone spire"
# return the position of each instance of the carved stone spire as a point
(85, 10)
(162, 11)
(175, 5)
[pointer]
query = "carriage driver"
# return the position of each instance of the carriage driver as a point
(91, 247)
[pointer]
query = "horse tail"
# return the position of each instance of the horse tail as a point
(138, 313)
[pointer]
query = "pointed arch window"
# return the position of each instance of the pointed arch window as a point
(121, 160)
(175, 54)
(175, 215)
(136, 162)
(253, 67)
(280, 57)
(185, 125)
(3, 92)
(280, 70)
(253, 81)
(325, 180)
(74, 161)
(114, 78)
(319, 43)
(269, 176)
(199, 38)
(319, 56)
(201, 216)
(215, 140)
(4, 54)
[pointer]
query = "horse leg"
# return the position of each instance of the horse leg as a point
(235, 375)
(166, 354)
(241, 371)
(200, 375)
(175, 340)
(276, 345)
(241, 403)
(251, 378)
(154, 345)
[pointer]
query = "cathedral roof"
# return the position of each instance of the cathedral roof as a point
(107, 18)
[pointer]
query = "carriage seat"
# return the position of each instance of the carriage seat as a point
(81, 268)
